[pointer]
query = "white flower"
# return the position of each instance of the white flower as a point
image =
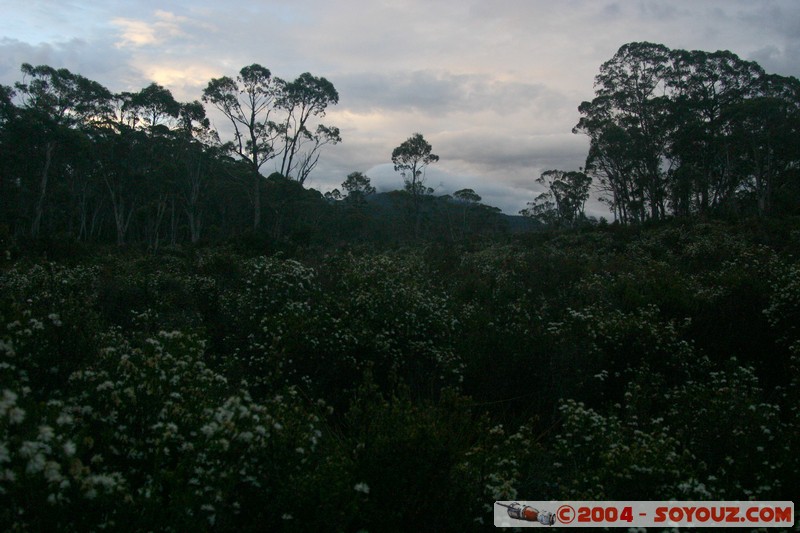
(361, 487)
(16, 415)
(52, 472)
(46, 433)
(105, 385)
(64, 418)
(7, 347)
(69, 448)
(36, 464)
(29, 448)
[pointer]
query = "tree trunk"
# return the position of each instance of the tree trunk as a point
(173, 224)
(39, 209)
(257, 200)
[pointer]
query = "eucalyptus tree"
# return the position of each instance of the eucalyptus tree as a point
(153, 130)
(8, 189)
(357, 187)
(763, 133)
(565, 199)
(248, 102)
(469, 200)
(632, 96)
(610, 163)
(199, 147)
(689, 131)
(704, 87)
(7, 107)
(152, 106)
(306, 97)
(56, 106)
(410, 159)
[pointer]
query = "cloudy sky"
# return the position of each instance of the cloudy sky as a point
(494, 86)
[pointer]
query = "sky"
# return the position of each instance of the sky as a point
(494, 86)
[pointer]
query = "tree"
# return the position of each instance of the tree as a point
(8, 190)
(358, 187)
(611, 163)
(631, 96)
(763, 133)
(470, 199)
(7, 107)
(688, 131)
(307, 96)
(565, 199)
(703, 87)
(467, 196)
(56, 105)
(410, 159)
(334, 196)
(542, 209)
(151, 106)
(199, 147)
(154, 112)
(248, 103)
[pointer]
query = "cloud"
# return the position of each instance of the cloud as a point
(111, 69)
(162, 26)
(436, 91)
(135, 32)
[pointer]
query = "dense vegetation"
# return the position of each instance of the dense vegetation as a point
(408, 388)
(188, 345)
(80, 163)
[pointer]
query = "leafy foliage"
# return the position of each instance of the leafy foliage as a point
(215, 390)
(392, 361)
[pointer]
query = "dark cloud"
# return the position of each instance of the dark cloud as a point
(110, 68)
(779, 60)
(490, 151)
(435, 91)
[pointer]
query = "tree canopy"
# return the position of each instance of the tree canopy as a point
(667, 132)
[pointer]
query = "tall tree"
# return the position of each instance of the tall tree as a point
(564, 201)
(703, 86)
(357, 186)
(152, 106)
(154, 115)
(410, 159)
(56, 103)
(763, 133)
(8, 190)
(611, 162)
(199, 145)
(248, 103)
(469, 200)
(306, 97)
(632, 96)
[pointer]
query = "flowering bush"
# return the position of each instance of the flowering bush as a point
(154, 438)
(208, 390)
